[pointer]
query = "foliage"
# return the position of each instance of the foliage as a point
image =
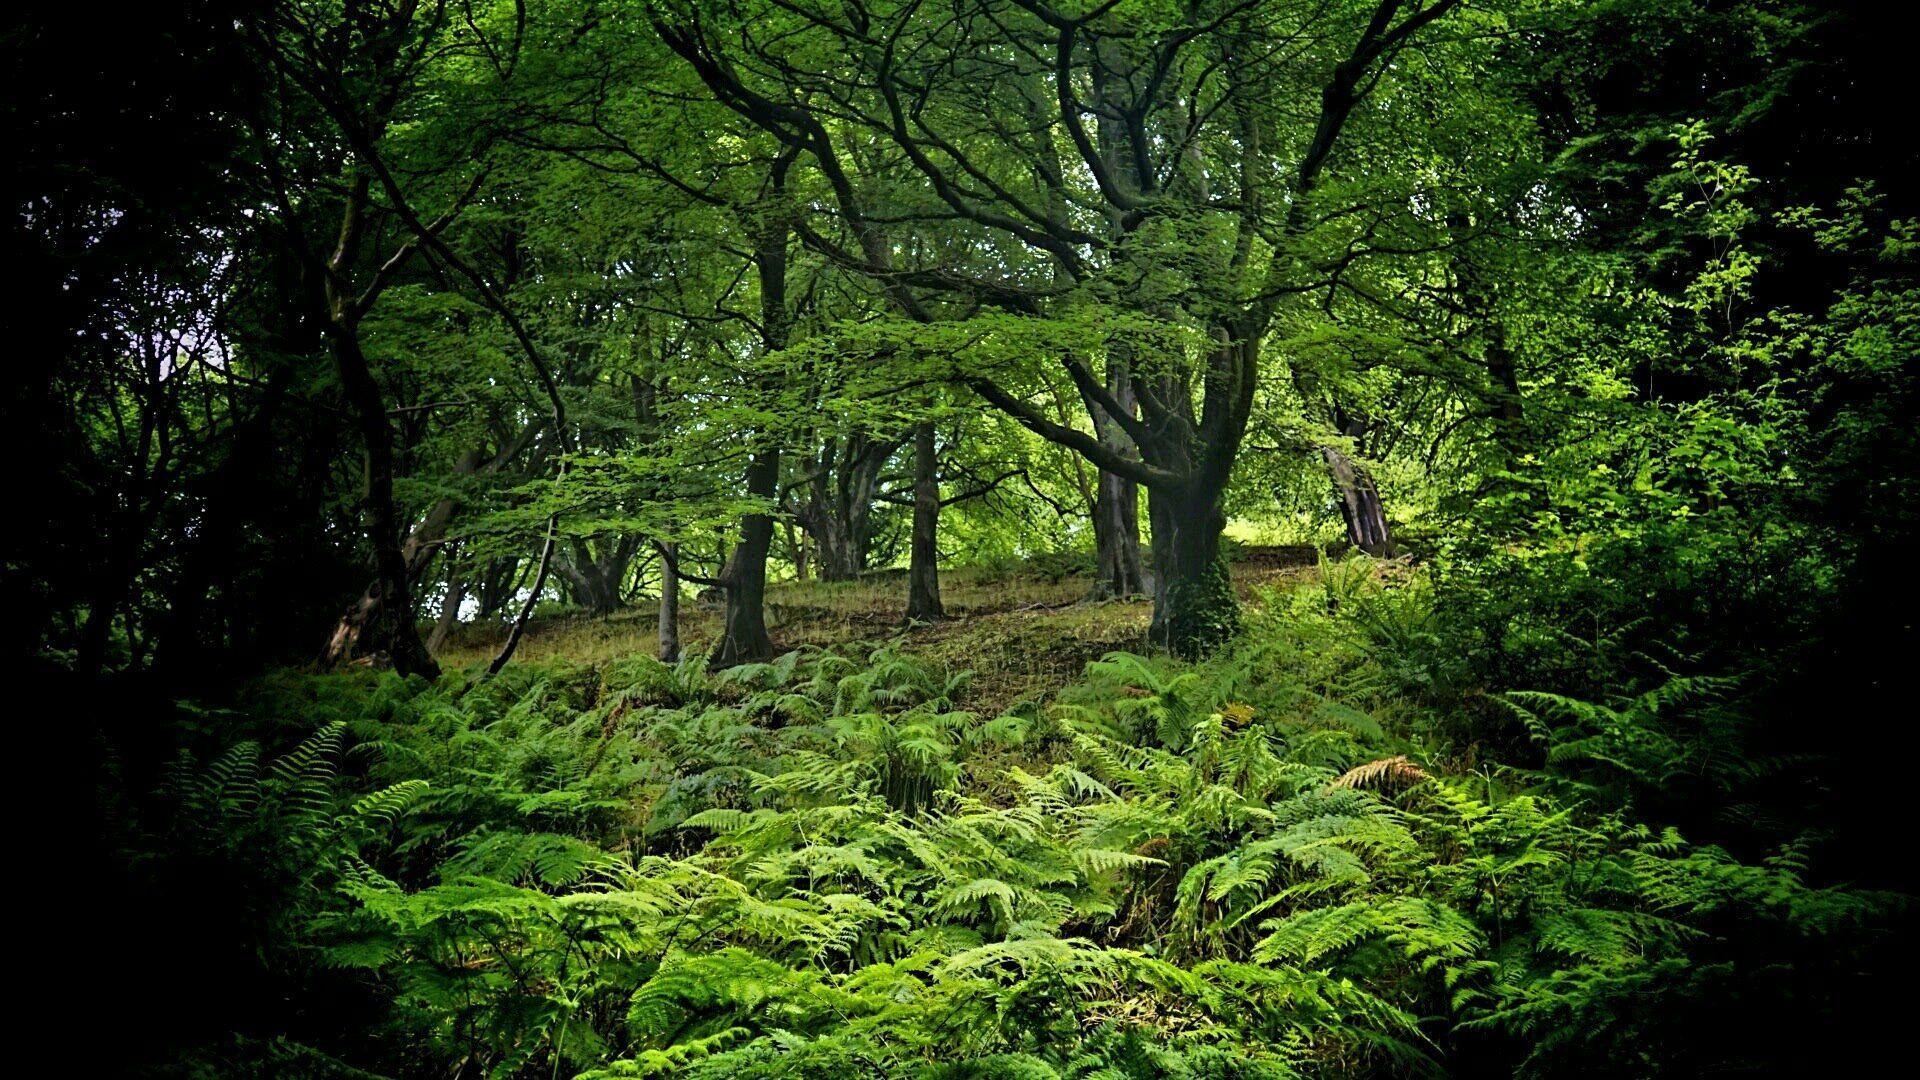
(1570, 348)
(792, 868)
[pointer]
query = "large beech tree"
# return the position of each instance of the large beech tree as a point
(1166, 162)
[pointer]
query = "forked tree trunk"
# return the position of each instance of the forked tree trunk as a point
(923, 573)
(838, 516)
(498, 580)
(840, 545)
(595, 579)
(422, 544)
(355, 626)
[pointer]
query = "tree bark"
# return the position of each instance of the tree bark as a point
(392, 621)
(1359, 498)
(532, 601)
(497, 580)
(670, 603)
(594, 578)
(923, 572)
(1360, 506)
(798, 550)
(449, 610)
(743, 636)
(1194, 607)
(1119, 570)
(422, 543)
(838, 515)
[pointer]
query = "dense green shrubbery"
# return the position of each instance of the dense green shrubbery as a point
(1268, 864)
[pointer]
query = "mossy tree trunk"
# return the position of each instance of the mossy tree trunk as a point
(1195, 610)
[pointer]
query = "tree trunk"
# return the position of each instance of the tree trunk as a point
(670, 603)
(797, 550)
(594, 578)
(1118, 568)
(839, 511)
(532, 601)
(1194, 606)
(497, 581)
(422, 543)
(744, 638)
(1360, 505)
(127, 529)
(1503, 401)
(390, 622)
(449, 610)
(209, 568)
(842, 553)
(1120, 571)
(923, 573)
(1509, 415)
(391, 618)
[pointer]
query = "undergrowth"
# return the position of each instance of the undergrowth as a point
(1284, 861)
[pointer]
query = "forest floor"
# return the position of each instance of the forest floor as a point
(1021, 631)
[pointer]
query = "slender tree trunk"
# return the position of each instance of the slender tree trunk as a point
(744, 637)
(393, 617)
(127, 526)
(923, 572)
(391, 622)
(519, 628)
(1120, 569)
(670, 603)
(449, 611)
(1353, 487)
(797, 541)
(127, 531)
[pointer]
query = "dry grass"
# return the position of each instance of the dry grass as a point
(1022, 635)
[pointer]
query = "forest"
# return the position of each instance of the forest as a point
(952, 539)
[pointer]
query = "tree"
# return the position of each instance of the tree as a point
(1199, 145)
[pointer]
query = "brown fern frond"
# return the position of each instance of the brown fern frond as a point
(1395, 771)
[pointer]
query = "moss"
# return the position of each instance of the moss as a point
(1202, 614)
